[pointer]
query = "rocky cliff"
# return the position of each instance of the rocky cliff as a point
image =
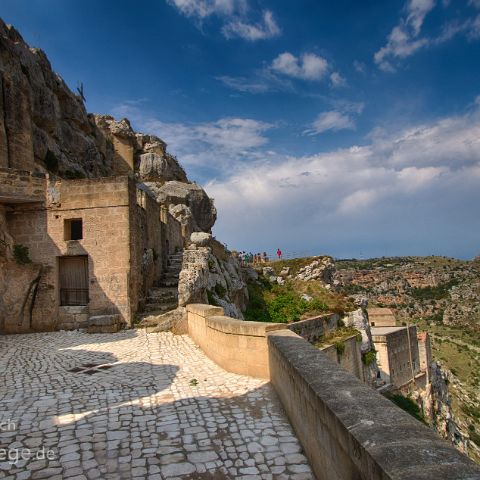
(441, 296)
(45, 128)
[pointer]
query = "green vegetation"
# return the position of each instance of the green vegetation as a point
(433, 293)
(337, 338)
(339, 347)
(408, 405)
(211, 298)
(20, 253)
(270, 302)
(475, 438)
(294, 264)
(369, 357)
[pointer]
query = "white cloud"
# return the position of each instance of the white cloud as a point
(417, 10)
(234, 15)
(204, 8)
(342, 118)
(418, 184)
(331, 120)
(307, 67)
(360, 67)
(268, 28)
(337, 80)
(218, 145)
(404, 40)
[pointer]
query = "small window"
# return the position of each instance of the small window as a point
(73, 229)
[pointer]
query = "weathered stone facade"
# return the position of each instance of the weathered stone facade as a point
(62, 168)
(122, 228)
(397, 354)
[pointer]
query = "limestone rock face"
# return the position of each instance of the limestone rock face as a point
(201, 239)
(44, 125)
(162, 168)
(358, 319)
(212, 275)
(321, 269)
(435, 403)
(189, 194)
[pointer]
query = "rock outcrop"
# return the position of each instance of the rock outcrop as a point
(197, 208)
(321, 269)
(210, 274)
(358, 319)
(435, 403)
(45, 128)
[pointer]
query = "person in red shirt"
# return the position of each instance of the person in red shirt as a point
(279, 253)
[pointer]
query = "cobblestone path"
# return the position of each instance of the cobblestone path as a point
(135, 405)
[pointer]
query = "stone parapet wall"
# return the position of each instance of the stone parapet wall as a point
(350, 359)
(349, 430)
(315, 328)
(237, 346)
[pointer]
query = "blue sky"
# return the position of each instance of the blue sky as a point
(342, 127)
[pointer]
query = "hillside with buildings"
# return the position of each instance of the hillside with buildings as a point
(441, 297)
(428, 368)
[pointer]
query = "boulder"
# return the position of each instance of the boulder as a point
(190, 194)
(201, 239)
(160, 168)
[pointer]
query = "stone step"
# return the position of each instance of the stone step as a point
(150, 315)
(165, 297)
(175, 261)
(173, 269)
(104, 324)
(160, 307)
(169, 283)
(171, 276)
(162, 292)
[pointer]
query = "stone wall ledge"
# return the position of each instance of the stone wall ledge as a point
(204, 310)
(348, 430)
(241, 327)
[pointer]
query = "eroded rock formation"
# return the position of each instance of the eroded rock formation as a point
(211, 275)
(45, 128)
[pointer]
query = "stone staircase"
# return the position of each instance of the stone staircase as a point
(164, 297)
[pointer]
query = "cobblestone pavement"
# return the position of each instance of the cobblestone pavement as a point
(135, 405)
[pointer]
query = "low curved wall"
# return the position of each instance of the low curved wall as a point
(347, 429)
(237, 346)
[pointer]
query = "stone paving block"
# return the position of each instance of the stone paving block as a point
(161, 410)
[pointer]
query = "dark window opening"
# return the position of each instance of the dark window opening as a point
(74, 229)
(73, 276)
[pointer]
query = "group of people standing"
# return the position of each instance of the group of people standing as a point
(254, 259)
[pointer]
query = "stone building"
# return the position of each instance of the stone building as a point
(96, 247)
(397, 354)
(381, 317)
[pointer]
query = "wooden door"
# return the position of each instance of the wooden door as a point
(73, 273)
